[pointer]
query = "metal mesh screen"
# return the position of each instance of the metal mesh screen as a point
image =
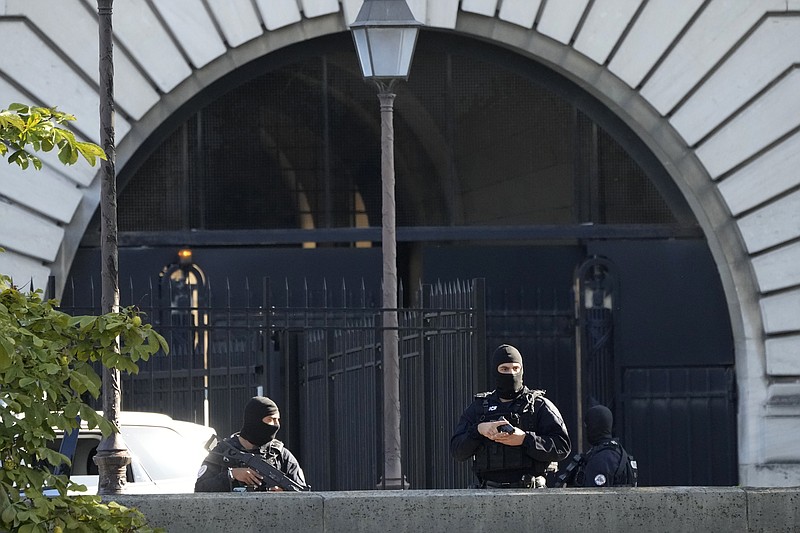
(628, 197)
(476, 143)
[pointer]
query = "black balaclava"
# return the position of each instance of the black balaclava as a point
(508, 386)
(598, 421)
(253, 429)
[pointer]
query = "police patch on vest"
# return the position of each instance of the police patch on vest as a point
(599, 480)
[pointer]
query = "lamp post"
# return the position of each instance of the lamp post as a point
(112, 455)
(385, 34)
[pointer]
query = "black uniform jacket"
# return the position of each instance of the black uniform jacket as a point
(601, 465)
(213, 474)
(546, 439)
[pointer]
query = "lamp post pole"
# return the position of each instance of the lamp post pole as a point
(385, 35)
(393, 476)
(112, 456)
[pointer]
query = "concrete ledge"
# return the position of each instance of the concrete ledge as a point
(773, 509)
(651, 509)
(239, 512)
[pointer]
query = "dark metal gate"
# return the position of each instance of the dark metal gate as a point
(679, 421)
(333, 386)
(681, 424)
(317, 352)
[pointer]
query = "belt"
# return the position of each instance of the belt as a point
(514, 485)
(525, 483)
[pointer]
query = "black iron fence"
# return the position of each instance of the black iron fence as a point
(318, 353)
(333, 386)
(218, 349)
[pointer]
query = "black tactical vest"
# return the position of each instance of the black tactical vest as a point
(496, 457)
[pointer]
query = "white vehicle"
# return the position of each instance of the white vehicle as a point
(165, 453)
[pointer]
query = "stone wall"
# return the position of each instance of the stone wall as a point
(655, 510)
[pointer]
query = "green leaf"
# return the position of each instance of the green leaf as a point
(6, 349)
(51, 368)
(71, 410)
(91, 152)
(162, 342)
(65, 154)
(9, 513)
(84, 323)
(11, 120)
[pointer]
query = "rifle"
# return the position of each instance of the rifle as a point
(566, 477)
(258, 464)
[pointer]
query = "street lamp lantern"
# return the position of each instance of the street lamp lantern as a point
(385, 34)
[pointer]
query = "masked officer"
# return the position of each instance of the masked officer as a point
(257, 436)
(513, 433)
(606, 464)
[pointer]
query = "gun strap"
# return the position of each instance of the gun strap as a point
(623, 465)
(575, 466)
(215, 457)
(623, 458)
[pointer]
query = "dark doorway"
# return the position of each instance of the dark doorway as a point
(675, 392)
(665, 366)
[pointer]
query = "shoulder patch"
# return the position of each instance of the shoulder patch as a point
(600, 480)
(202, 470)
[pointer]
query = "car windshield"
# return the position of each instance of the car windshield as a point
(162, 452)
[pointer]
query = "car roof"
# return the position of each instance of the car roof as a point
(141, 418)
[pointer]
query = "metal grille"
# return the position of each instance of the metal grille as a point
(681, 425)
(628, 197)
(443, 349)
(298, 146)
(335, 358)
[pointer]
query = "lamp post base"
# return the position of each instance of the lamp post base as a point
(112, 460)
(394, 484)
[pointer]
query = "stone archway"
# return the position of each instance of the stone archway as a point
(709, 87)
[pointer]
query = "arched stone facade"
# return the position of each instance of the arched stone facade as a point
(711, 87)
